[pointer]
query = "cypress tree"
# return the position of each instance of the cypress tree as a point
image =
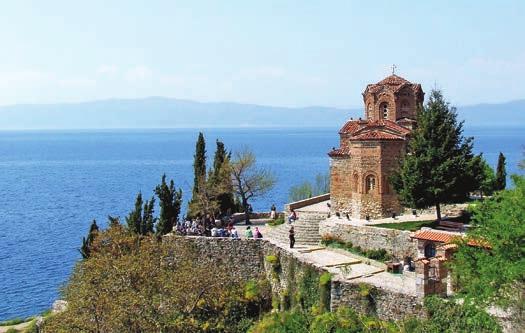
(134, 219)
(501, 173)
(148, 221)
(85, 250)
(199, 169)
(439, 166)
(220, 177)
(170, 202)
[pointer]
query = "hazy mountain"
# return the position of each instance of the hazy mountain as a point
(159, 112)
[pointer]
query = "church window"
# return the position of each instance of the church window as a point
(383, 108)
(370, 183)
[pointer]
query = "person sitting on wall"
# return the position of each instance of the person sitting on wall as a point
(214, 232)
(234, 233)
(248, 233)
(257, 233)
(292, 217)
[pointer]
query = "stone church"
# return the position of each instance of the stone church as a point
(370, 149)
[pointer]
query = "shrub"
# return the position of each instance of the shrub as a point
(277, 221)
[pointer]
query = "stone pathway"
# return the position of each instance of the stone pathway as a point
(347, 267)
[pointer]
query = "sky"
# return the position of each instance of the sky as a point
(283, 53)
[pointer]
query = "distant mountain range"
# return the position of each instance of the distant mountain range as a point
(160, 112)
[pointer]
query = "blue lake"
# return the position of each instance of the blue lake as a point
(53, 183)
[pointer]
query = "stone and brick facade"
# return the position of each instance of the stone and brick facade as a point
(370, 149)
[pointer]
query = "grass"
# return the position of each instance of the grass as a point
(276, 222)
(14, 321)
(410, 226)
(379, 254)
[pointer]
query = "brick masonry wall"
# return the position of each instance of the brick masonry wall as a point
(396, 242)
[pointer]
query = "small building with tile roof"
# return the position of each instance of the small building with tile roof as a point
(371, 148)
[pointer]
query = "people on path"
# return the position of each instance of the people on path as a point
(257, 233)
(248, 233)
(273, 212)
(292, 217)
(292, 237)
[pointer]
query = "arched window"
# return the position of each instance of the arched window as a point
(383, 109)
(370, 183)
(430, 250)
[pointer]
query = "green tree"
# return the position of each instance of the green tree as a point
(138, 284)
(220, 177)
(501, 173)
(307, 190)
(486, 178)
(438, 167)
(87, 242)
(199, 170)
(148, 221)
(493, 272)
(170, 202)
(249, 180)
(134, 219)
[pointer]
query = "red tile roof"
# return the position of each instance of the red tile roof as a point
(339, 152)
(376, 135)
(435, 236)
(393, 83)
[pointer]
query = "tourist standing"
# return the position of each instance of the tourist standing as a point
(273, 212)
(292, 237)
(248, 233)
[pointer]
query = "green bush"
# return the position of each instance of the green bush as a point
(12, 330)
(277, 221)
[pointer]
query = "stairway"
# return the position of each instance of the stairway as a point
(306, 229)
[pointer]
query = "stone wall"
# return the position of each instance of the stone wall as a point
(306, 202)
(370, 300)
(396, 242)
(247, 259)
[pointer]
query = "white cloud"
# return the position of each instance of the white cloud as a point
(25, 77)
(107, 70)
(76, 82)
(138, 73)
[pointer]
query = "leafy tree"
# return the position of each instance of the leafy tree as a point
(170, 203)
(87, 242)
(138, 284)
(439, 166)
(451, 317)
(249, 180)
(307, 190)
(484, 176)
(494, 271)
(501, 173)
(199, 169)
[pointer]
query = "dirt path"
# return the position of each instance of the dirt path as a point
(19, 327)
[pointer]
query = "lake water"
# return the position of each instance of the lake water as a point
(53, 183)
